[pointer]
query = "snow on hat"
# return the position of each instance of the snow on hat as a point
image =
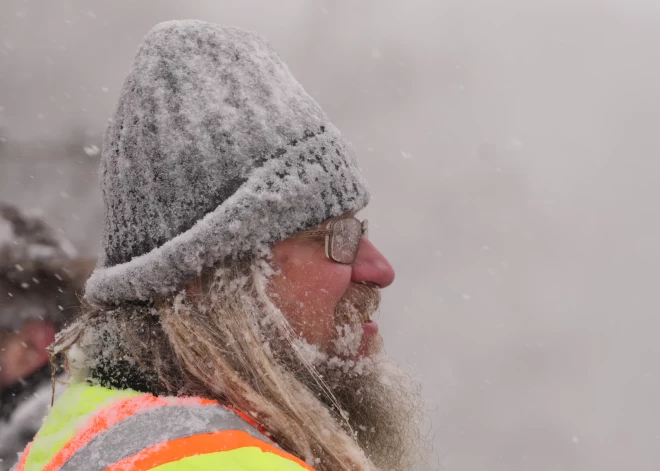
(214, 150)
(40, 271)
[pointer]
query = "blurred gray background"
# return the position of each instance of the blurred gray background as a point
(512, 149)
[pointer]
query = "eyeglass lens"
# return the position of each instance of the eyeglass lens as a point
(345, 241)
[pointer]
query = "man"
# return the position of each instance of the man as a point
(229, 322)
(39, 277)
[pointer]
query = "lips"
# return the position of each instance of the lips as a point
(370, 327)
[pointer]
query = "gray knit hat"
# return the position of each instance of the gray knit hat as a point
(214, 150)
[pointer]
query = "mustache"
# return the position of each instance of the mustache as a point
(361, 298)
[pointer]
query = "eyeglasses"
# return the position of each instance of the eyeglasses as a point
(342, 238)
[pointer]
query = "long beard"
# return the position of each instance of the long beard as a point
(380, 402)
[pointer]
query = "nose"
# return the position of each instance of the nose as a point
(371, 266)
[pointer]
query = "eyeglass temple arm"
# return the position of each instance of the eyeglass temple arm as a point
(311, 234)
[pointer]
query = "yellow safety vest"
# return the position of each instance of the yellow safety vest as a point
(91, 428)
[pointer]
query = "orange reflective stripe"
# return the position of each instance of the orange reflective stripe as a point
(175, 450)
(26, 452)
(111, 415)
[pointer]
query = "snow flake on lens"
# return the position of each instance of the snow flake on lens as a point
(514, 144)
(377, 53)
(91, 150)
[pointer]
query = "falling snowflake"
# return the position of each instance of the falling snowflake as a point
(515, 144)
(91, 150)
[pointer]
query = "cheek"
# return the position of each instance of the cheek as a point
(307, 292)
(321, 284)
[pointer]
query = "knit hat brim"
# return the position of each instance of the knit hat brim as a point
(264, 210)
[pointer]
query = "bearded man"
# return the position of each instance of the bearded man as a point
(229, 317)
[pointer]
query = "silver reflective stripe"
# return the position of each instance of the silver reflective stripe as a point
(151, 427)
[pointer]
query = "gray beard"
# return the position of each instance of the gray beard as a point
(380, 402)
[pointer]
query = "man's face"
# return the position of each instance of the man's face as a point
(313, 290)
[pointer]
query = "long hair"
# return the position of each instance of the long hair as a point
(223, 338)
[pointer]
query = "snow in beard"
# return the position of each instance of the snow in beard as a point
(271, 322)
(342, 361)
(349, 335)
